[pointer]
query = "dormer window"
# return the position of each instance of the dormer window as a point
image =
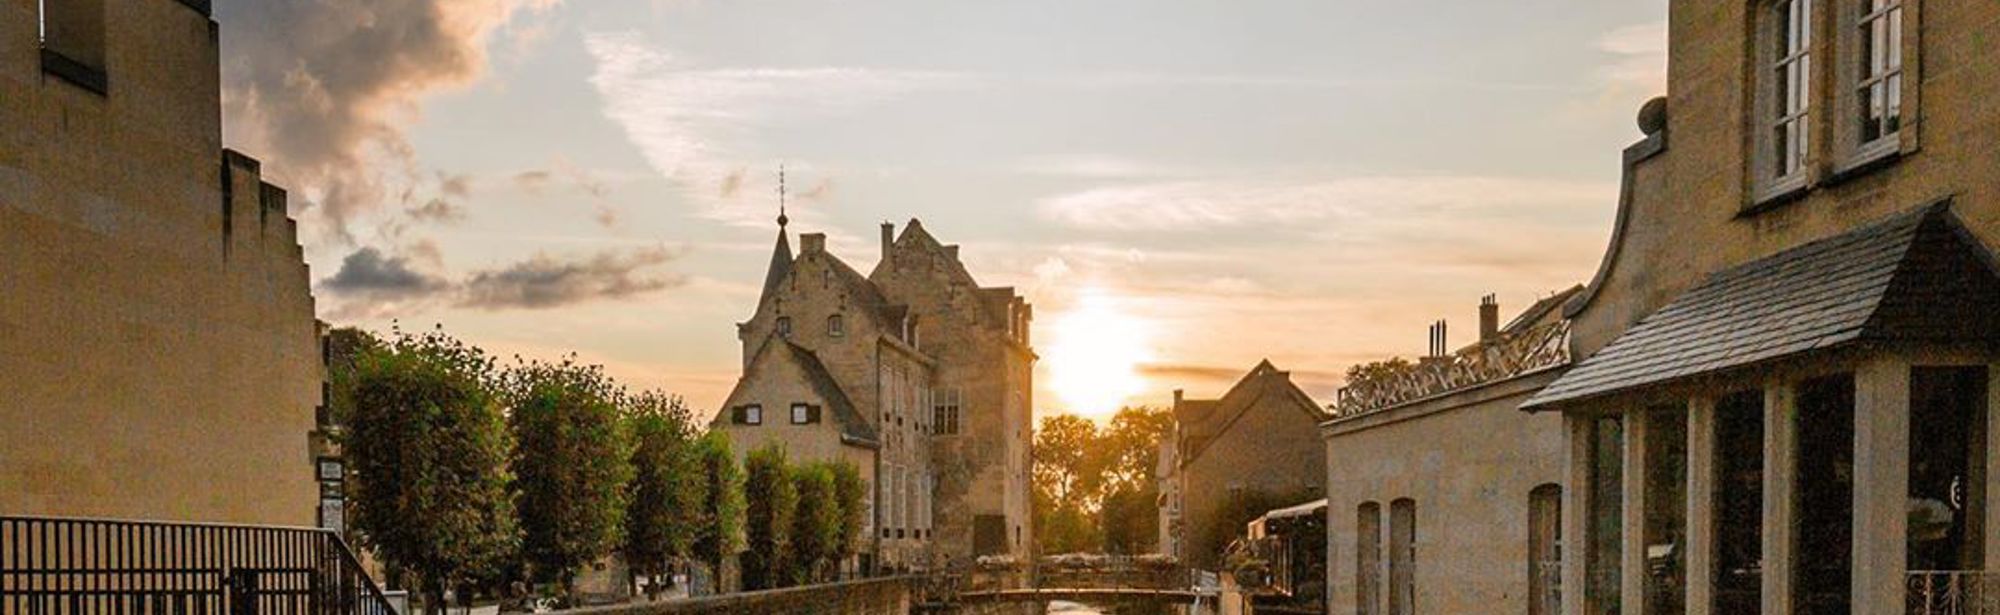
(785, 327)
(836, 326)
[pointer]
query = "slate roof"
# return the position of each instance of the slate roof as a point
(1919, 275)
(854, 427)
(781, 264)
(1202, 421)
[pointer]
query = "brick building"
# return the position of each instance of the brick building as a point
(914, 373)
(1784, 397)
(157, 337)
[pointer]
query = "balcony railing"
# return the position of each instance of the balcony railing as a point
(75, 566)
(1953, 592)
(1512, 354)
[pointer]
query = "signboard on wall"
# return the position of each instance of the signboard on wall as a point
(333, 514)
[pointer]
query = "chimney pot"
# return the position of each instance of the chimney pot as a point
(1489, 318)
(812, 242)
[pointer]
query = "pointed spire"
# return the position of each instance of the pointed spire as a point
(781, 255)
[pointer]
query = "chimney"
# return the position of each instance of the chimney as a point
(1489, 318)
(951, 251)
(888, 239)
(1177, 398)
(812, 242)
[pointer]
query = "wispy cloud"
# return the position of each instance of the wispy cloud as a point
(373, 283)
(1224, 204)
(701, 125)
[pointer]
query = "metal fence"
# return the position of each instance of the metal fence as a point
(58, 566)
(1952, 592)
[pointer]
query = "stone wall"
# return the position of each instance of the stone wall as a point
(884, 596)
(162, 360)
(1468, 460)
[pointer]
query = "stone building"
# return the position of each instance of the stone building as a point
(1785, 394)
(1439, 492)
(160, 353)
(1234, 457)
(914, 373)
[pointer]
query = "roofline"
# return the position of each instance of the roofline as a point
(1634, 154)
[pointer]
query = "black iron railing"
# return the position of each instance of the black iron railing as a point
(58, 566)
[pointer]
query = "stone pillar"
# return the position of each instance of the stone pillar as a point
(1881, 484)
(1701, 506)
(1576, 512)
(1632, 540)
(1780, 437)
(1992, 525)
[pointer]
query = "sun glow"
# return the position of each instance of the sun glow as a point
(1095, 357)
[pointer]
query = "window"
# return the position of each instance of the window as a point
(1545, 550)
(1878, 32)
(1403, 557)
(1786, 90)
(805, 414)
(1739, 503)
(72, 33)
(835, 327)
(752, 414)
(1666, 510)
(1823, 562)
(944, 412)
(1604, 525)
(784, 326)
(1368, 559)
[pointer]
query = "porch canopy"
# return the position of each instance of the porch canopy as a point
(1919, 276)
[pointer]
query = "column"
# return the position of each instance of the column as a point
(1576, 512)
(1701, 506)
(1992, 524)
(1780, 435)
(1881, 484)
(1632, 545)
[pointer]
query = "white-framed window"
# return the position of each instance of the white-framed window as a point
(1787, 88)
(802, 414)
(1878, 57)
(752, 414)
(836, 326)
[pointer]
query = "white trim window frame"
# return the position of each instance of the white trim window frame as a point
(1877, 77)
(1787, 114)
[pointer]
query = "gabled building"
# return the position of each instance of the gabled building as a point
(913, 373)
(1785, 392)
(1234, 457)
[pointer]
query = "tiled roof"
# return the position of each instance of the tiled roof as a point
(1917, 275)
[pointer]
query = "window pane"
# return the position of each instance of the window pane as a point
(1666, 507)
(1739, 503)
(1823, 558)
(1607, 504)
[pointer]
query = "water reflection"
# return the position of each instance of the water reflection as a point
(1071, 608)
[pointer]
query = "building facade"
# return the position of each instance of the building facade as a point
(1439, 492)
(1785, 398)
(161, 355)
(913, 373)
(1235, 457)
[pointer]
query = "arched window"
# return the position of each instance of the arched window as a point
(1545, 550)
(1403, 557)
(1368, 559)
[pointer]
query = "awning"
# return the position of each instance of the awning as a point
(1309, 508)
(1917, 276)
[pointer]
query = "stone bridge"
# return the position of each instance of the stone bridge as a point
(1094, 579)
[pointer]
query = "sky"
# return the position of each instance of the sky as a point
(1181, 187)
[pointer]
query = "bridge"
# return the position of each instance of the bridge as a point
(1094, 579)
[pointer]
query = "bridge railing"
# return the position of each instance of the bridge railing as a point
(65, 566)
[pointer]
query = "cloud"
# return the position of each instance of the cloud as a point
(322, 90)
(532, 181)
(586, 183)
(545, 281)
(1190, 206)
(1639, 60)
(370, 282)
(697, 125)
(437, 210)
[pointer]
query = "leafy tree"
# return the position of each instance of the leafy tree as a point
(569, 465)
(816, 530)
(773, 502)
(1065, 465)
(851, 492)
(1130, 520)
(1129, 452)
(719, 527)
(428, 445)
(664, 499)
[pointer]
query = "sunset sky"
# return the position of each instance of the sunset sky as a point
(1181, 187)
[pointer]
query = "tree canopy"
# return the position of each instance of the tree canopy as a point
(1094, 486)
(569, 465)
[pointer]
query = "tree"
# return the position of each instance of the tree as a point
(816, 530)
(569, 465)
(1130, 450)
(665, 497)
(773, 501)
(851, 492)
(1065, 480)
(719, 527)
(428, 445)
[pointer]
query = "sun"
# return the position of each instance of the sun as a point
(1095, 356)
